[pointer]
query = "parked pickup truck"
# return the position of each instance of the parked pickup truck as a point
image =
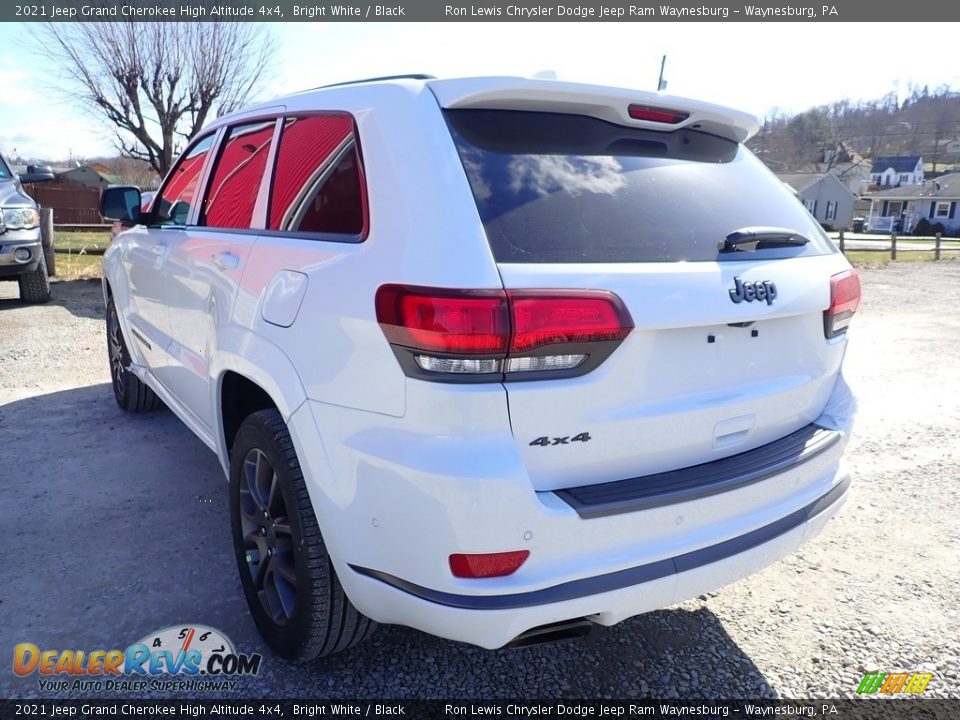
(21, 252)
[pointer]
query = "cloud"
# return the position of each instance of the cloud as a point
(49, 137)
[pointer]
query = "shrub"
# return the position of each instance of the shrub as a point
(927, 229)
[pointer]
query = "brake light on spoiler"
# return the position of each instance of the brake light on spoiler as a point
(657, 114)
(494, 335)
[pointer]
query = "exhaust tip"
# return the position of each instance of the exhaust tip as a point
(553, 632)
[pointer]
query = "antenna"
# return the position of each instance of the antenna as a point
(661, 83)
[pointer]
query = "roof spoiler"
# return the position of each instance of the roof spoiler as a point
(605, 103)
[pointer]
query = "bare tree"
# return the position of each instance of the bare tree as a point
(157, 83)
(131, 171)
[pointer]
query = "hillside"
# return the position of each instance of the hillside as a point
(925, 123)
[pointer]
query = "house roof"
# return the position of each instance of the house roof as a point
(945, 186)
(899, 163)
(800, 181)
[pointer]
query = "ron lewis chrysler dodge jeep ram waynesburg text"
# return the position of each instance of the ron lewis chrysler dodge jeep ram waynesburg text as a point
(498, 359)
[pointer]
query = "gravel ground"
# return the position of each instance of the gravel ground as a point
(120, 528)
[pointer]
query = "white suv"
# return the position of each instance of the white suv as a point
(498, 359)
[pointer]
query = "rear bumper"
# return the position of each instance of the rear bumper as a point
(393, 504)
(492, 621)
(628, 577)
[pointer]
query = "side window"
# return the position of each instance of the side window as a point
(178, 195)
(318, 180)
(235, 183)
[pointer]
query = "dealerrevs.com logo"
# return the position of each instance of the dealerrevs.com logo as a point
(201, 657)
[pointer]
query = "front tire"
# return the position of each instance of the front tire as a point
(290, 584)
(35, 286)
(131, 393)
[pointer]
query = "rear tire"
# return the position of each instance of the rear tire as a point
(35, 286)
(131, 393)
(290, 584)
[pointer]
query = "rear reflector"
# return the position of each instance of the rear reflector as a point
(487, 564)
(493, 335)
(655, 114)
(844, 300)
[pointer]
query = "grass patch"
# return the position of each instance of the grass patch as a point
(78, 267)
(855, 256)
(81, 240)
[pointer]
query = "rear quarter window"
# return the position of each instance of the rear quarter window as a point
(567, 188)
(318, 184)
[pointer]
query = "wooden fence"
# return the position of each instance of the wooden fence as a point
(71, 204)
(909, 244)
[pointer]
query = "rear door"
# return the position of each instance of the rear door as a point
(728, 350)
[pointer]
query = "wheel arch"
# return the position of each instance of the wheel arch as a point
(250, 374)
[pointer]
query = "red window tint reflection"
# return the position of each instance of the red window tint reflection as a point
(317, 184)
(337, 205)
(179, 193)
(236, 180)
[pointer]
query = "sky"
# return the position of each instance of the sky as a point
(750, 66)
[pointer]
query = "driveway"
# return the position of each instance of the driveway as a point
(117, 526)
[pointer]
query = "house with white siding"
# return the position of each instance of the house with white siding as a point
(896, 171)
(900, 209)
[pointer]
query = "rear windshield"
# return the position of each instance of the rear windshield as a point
(568, 188)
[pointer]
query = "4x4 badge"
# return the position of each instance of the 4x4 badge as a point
(751, 291)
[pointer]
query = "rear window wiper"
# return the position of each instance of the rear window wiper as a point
(750, 238)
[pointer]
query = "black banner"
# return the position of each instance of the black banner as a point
(860, 709)
(481, 10)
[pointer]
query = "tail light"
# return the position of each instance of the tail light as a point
(487, 564)
(844, 299)
(494, 335)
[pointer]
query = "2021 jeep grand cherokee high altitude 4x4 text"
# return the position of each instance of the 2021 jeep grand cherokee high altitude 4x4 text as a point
(493, 358)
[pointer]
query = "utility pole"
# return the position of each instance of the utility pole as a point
(661, 83)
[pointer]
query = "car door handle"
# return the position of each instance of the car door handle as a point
(226, 261)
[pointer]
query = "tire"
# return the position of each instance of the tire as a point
(295, 597)
(35, 286)
(131, 393)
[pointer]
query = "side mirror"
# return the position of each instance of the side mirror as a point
(36, 173)
(121, 203)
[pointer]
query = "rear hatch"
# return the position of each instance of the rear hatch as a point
(728, 350)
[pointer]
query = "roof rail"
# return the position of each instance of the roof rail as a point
(412, 76)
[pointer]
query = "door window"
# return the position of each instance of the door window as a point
(232, 194)
(179, 193)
